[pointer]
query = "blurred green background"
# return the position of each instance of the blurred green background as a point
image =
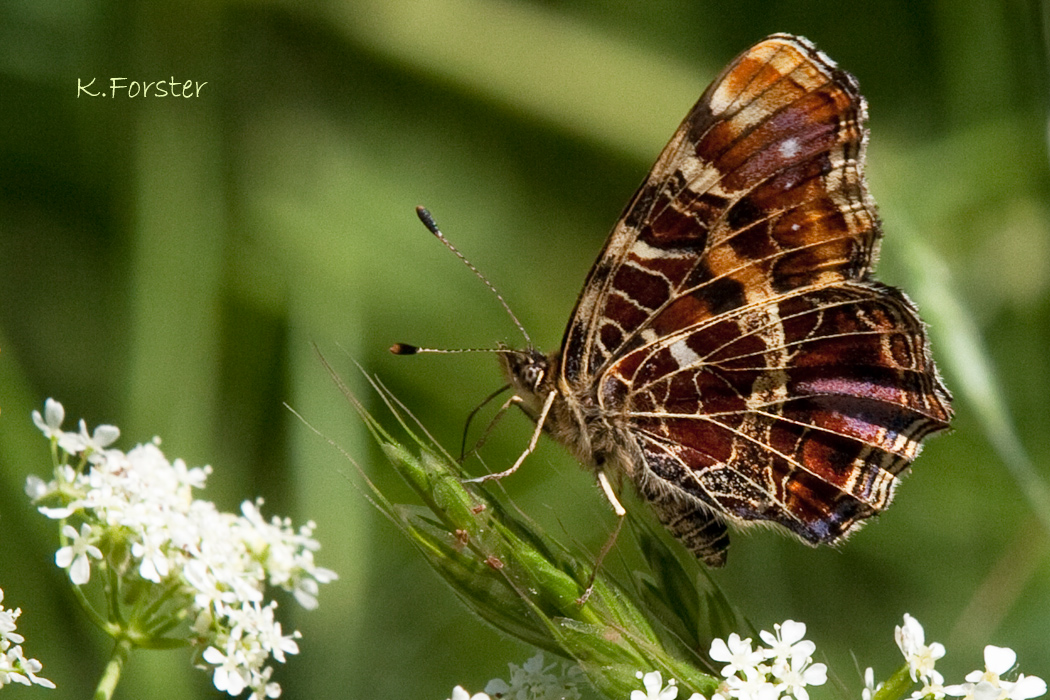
(166, 263)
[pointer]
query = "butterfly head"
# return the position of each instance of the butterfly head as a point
(531, 376)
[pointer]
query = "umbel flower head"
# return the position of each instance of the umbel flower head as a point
(989, 684)
(188, 573)
(920, 659)
(778, 672)
(783, 669)
(14, 666)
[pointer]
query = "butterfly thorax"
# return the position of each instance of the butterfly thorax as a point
(574, 419)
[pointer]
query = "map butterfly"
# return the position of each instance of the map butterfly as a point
(730, 353)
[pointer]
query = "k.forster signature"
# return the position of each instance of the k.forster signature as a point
(123, 87)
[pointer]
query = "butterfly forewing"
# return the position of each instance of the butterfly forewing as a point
(759, 191)
(729, 351)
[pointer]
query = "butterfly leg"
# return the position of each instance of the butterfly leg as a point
(502, 411)
(532, 443)
(603, 481)
(606, 548)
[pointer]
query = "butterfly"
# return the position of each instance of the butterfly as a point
(730, 353)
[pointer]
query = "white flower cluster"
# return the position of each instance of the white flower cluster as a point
(533, 680)
(139, 508)
(14, 666)
(655, 689)
(784, 667)
(781, 669)
(921, 658)
(988, 684)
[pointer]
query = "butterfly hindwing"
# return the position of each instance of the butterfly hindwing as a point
(801, 413)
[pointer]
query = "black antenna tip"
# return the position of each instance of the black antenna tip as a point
(403, 349)
(428, 220)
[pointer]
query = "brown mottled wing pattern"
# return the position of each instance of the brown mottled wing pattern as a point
(730, 332)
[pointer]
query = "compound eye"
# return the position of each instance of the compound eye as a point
(533, 375)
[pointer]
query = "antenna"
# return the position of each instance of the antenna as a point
(407, 349)
(428, 221)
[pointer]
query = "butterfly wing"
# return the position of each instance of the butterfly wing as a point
(800, 412)
(730, 328)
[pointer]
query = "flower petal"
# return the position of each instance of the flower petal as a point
(999, 660)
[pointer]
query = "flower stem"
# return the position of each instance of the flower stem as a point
(111, 676)
(896, 685)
